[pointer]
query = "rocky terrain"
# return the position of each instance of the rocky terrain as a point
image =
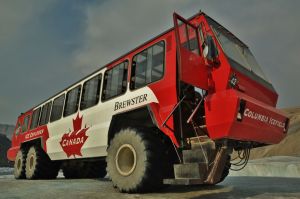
(4, 145)
(7, 130)
(290, 146)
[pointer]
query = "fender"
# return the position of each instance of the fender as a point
(142, 116)
(38, 135)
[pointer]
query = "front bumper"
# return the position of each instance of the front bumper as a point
(234, 115)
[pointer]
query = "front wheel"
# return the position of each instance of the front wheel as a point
(136, 161)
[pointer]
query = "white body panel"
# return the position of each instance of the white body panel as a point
(98, 119)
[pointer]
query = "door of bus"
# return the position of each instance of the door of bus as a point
(192, 67)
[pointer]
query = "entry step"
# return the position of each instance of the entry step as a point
(183, 181)
(196, 156)
(206, 144)
(190, 170)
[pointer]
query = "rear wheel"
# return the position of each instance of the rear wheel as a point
(136, 161)
(39, 165)
(20, 162)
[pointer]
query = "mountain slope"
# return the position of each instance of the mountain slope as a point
(7, 130)
(4, 145)
(290, 146)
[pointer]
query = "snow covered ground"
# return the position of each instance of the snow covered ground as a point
(247, 183)
(276, 166)
(6, 172)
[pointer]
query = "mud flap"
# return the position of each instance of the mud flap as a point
(217, 169)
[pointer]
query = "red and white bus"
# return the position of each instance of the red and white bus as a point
(170, 111)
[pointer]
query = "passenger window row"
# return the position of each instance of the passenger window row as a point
(147, 67)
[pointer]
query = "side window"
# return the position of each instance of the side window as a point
(72, 101)
(115, 81)
(90, 92)
(35, 118)
(25, 123)
(45, 113)
(18, 128)
(57, 108)
(148, 66)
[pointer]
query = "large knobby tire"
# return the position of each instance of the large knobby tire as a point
(20, 164)
(93, 169)
(39, 165)
(136, 161)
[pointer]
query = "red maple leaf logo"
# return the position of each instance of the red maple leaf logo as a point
(72, 142)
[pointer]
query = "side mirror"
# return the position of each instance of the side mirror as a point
(210, 50)
(205, 50)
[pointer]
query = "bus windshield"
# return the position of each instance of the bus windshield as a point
(237, 51)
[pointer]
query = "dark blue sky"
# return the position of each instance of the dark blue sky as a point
(47, 45)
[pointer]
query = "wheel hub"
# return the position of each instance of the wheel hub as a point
(19, 164)
(126, 159)
(31, 161)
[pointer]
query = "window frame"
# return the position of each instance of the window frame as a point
(66, 97)
(99, 94)
(251, 70)
(27, 126)
(63, 106)
(164, 65)
(104, 83)
(18, 128)
(38, 119)
(49, 104)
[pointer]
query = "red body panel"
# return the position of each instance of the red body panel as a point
(260, 122)
(258, 91)
(222, 102)
(165, 90)
(17, 139)
(193, 69)
(38, 133)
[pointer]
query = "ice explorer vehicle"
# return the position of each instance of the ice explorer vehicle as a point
(170, 111)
